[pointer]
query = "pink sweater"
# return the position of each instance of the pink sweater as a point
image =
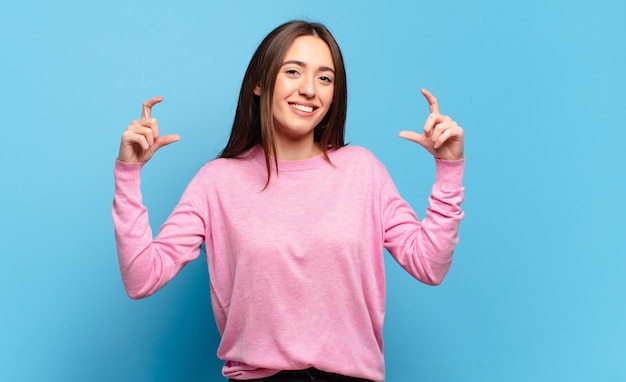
(297, 276)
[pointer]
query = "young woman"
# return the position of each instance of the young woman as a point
(294, 221)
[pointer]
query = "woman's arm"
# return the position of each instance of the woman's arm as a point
(148, 263)
(425, 248)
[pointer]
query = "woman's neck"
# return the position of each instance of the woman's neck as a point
(297, 150)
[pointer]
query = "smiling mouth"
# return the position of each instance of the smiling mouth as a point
(306, 109)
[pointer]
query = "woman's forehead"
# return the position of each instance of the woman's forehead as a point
(310, 50)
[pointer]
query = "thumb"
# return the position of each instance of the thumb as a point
(415, 137)
(165, 140)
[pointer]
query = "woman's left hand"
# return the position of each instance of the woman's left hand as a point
(442, 136)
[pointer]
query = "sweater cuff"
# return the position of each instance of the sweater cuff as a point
(127, 174)
(450, 172)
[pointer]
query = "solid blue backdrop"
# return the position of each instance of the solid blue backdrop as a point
(536, 292)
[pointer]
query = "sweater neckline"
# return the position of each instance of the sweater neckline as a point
(289, 165)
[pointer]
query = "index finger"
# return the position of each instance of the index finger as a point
(432, 101)
(147, 106)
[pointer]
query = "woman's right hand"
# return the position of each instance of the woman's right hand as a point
(141, 139)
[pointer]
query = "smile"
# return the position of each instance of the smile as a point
(306, 109)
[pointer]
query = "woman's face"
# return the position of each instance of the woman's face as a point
(304, 89)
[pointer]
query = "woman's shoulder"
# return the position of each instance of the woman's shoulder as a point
(231, 169)
(354, 154)
(248, 158)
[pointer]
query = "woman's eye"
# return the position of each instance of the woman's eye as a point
(326, 79)
(291, 72)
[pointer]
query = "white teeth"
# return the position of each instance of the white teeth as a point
(307, 109)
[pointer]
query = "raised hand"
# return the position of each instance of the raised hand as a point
(442, 137)
(141, 139)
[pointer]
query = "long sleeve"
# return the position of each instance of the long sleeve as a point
(147, 264)
(425, 249)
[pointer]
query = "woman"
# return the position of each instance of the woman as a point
(294, 221)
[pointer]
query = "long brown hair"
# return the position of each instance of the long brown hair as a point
(254, 123)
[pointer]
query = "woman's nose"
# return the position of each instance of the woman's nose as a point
(307, 86)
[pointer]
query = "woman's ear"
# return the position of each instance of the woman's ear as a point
(257, 90)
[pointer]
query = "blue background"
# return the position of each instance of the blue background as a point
(536, 292)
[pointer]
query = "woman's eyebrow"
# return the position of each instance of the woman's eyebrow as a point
(303, 64)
